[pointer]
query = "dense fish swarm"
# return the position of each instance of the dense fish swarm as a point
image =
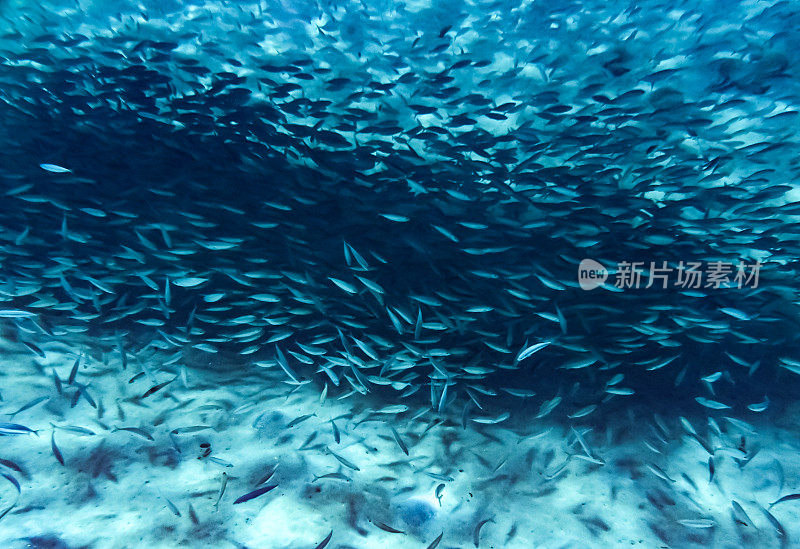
(331, 250)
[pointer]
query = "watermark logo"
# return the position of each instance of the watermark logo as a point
(591, 274)
(684, 275)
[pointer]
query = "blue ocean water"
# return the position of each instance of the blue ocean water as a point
(404, 274)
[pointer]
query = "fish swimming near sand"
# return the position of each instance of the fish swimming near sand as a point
(424, 266)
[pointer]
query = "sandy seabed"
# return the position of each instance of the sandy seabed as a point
(525, 482)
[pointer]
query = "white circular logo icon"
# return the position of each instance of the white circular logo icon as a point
(591, 274)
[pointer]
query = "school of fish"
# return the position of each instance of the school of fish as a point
(325, 256)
